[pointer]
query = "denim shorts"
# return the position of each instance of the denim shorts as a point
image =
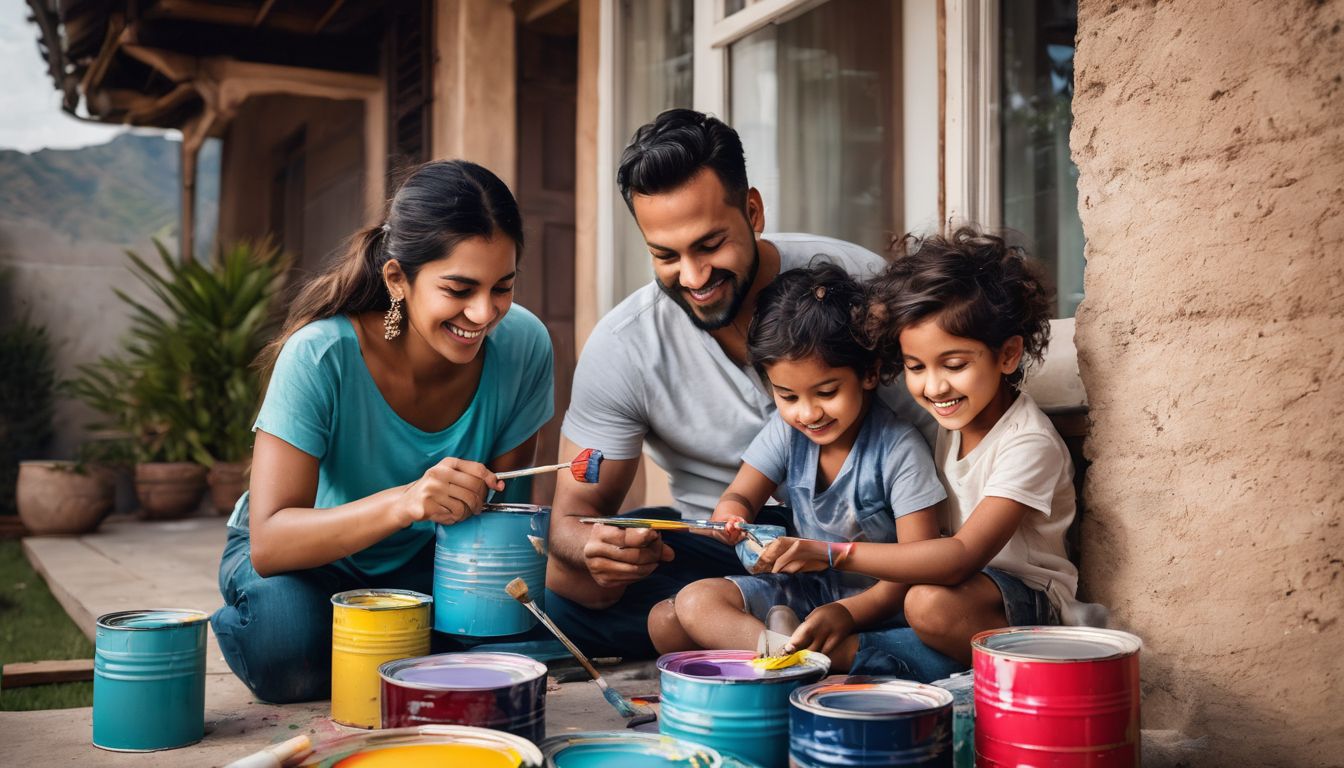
(803, 592)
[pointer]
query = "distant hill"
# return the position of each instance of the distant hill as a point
(120, 192)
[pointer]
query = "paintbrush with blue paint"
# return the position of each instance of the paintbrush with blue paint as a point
(517, 589)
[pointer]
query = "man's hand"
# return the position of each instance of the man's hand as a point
(824, 629)
(790, 555)
(618, 557)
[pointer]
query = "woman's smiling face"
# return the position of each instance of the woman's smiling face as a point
(958, 380)
(454, 301)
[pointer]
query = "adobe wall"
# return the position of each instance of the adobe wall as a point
(1210, 141)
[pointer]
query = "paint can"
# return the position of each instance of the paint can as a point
(626, 749)
(717, 698)
(476, 558)
(870, 722)
(1059, 696)
(429, 745)
(962, 688)
(149, 680)
(504, 691)
(370, 627)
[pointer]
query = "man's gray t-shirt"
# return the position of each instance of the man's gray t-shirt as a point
(648, 378)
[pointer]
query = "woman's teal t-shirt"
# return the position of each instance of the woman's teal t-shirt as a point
(323, 401)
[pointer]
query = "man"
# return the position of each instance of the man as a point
(666, 371)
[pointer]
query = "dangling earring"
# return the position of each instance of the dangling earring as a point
(392, 320)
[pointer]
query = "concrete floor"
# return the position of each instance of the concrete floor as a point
(133, 564)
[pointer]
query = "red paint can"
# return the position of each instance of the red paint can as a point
(1063, 697)
(504, 691)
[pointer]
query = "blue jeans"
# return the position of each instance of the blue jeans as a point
(896, 650)
(275, 631)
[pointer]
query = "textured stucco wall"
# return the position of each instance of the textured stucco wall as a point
(1210, 140)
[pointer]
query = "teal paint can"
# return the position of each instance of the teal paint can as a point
(476, 558)
(149, 680)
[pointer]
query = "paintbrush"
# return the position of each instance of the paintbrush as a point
(585, 467)
(276, 755)
(747, 529)
(517, 589)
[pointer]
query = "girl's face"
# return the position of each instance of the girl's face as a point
(826, 404)
(457, 299)
(958, 380)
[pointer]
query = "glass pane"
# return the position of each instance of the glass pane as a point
(1040, 181)
(733, 6)
(815, 101)
(655, 74)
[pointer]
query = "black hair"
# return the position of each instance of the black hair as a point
(666, 153)
(817, 310)
(439, 205)
(975, 284)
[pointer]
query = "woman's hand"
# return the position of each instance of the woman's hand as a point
(449, 492)
(823, 630)
(791, 555)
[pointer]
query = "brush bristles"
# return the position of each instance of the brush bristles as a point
(517, 589)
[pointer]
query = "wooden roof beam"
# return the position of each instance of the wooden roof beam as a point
(233, 15)
(97, 70)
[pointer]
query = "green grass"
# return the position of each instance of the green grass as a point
(33, 627)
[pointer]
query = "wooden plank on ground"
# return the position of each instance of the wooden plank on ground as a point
(20, 673)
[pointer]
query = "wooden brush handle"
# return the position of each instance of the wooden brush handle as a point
(532, 471)
(574, 649)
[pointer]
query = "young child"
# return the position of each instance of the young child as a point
(964, 313)
(849, 468)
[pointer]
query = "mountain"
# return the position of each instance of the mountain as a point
(120, 192)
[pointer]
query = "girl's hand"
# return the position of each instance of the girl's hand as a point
(449, 492)
(731, 534)
(824, 629)
(791, 555)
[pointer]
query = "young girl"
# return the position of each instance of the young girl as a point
(849, 468)
(964, 313)
(403, 377)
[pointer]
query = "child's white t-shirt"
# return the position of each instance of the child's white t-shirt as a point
(1024, 459)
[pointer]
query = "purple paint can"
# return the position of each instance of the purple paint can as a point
(504, 691)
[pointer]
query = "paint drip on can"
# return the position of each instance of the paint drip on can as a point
(1058, 696)
(476, 558)
(504, 691)
(870, 722)
(149, 680)
(370, 627)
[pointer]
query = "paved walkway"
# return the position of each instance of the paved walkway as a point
(130, 564)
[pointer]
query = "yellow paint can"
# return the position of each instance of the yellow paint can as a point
(368, 628)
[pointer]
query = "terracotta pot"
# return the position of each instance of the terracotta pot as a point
(55, 499)
(228, 480)
(169, 490)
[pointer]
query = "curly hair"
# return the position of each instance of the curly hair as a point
(816, 310)
(974, 283)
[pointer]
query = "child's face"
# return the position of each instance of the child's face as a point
(958, 380)
(822, 402)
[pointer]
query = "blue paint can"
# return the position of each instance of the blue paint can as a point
(876, 722)
(476, 558)
(717, 698)
(149, 680)
(626, 749)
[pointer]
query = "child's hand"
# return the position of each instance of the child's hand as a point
(791, 555)
(731, 534)
(824, 629)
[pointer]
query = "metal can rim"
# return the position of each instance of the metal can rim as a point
(529, 752)
(388, 668)
(823, 665)
(555, 744)
(192, 615)
(805, 698)
(1124, 643)
(342, 599)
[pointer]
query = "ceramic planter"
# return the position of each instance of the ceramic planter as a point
(54, 498)
(169, 490)
(228, 480)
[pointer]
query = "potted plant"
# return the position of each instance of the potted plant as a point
(63, 497)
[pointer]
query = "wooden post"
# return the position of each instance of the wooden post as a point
(186, 242)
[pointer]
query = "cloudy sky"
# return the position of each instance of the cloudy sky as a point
(30, 106)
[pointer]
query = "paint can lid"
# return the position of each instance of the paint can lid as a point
(368, 744)
(627, 747)
(380, 599)
(462, 671)
(714, 666)
(157, 618)
(870, 698)
(1056, 644)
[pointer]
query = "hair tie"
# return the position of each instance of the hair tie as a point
(819, 292)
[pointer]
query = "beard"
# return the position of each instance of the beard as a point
(716, 316)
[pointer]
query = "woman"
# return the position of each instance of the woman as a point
(400, 381)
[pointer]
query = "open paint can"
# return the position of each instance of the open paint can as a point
(370, 627)
(149, 680)
(717, 698)
(877, 722)
(476, 558)
(962, 687)
(1058, 696)
(626, 749)
(459, 746)
(504, 691)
